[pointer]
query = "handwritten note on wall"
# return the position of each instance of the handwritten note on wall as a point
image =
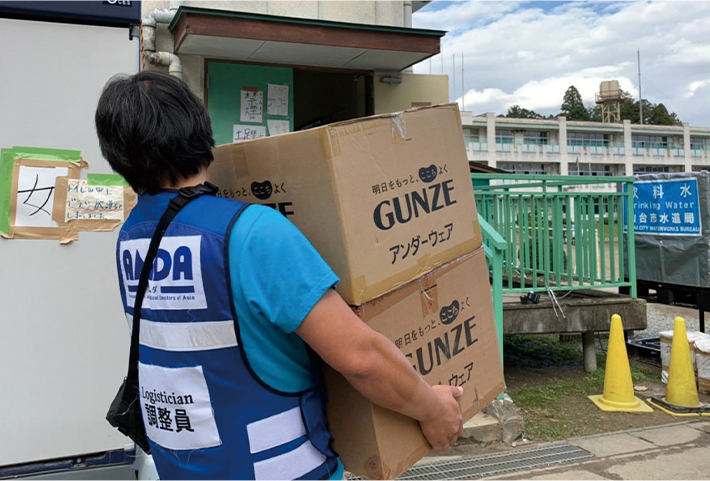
(277, 100)
(252, 106)
(277, 127)
(93, 202)
(248, 132)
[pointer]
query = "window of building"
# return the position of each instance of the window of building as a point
(581, 138)
(470, 135)
(526, 168)
(650, 141)
(535, 137)
(504, 136)
(652, 169)
(592, 169)
(699, 143)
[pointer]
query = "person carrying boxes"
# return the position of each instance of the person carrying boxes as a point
(236, 301)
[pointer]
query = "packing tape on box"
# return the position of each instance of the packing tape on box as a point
(329, 136)
(329, 143)
(423, 266)
(239, 163)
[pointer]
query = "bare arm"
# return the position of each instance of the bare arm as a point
(378, 370)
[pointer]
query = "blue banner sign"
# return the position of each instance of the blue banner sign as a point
(666, 207)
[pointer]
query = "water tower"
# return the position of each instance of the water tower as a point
(610, 97)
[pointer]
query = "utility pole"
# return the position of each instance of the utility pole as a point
(638, 52)
(463, 86)
(453, 73)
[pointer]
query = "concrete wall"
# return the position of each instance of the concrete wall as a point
(371, 12)
(414, 88)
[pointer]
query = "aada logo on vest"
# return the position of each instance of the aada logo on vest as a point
(176, 279)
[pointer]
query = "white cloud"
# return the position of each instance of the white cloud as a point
(522, 53)
(694, 86)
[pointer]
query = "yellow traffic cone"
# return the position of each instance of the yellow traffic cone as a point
(681, 394)
(618, 388)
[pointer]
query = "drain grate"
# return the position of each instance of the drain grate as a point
(473, 467)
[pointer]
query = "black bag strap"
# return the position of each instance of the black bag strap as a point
(184, 197)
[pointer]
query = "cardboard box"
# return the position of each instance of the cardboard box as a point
(702, 358)
(666, 343)
(444, 324)
(384, 199)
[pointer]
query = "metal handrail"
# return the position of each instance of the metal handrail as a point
(558, 236)
(495, 248)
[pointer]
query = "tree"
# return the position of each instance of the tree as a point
(517, 112)
(659, 116)
(572, 106)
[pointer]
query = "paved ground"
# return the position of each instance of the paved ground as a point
(660, 318)
(676, 451)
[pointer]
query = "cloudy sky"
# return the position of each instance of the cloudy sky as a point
(528, 53)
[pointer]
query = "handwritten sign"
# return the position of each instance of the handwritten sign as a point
(277, 100)
(277, 127)
(93, 202)
(35, 195)
(248, 132)
(252, 106)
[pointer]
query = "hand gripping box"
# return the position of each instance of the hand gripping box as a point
(384, 199)
(443, 323)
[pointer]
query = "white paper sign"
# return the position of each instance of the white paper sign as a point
(176, 407)
(247, 132)
(252, 106)
(35, 195)
(93, 201)
(277, 127)
(277, 100)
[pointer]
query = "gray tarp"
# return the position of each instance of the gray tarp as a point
(677, 259)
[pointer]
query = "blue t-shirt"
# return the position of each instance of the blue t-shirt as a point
(277, 278)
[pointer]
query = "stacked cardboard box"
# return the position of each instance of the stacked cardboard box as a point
(388, 203)
(702, 359)
(667, 340)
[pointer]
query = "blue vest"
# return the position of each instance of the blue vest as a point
(207, 414)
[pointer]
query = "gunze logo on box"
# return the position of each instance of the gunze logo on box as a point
(452, 343)
(176, 279)
(414, 204)
(666, 207)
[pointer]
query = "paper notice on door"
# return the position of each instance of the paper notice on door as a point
(277, 127)
(252, 106)
(277, 100)
(248, 132)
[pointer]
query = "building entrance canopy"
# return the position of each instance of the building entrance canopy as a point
(259, 38)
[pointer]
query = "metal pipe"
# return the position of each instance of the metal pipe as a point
(148, 45)
(167, 59)
(407, 13)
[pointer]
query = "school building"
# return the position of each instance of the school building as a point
(559, 146)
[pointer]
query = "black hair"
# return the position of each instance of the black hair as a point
(153, 130)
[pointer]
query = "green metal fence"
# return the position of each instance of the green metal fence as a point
(560, 233)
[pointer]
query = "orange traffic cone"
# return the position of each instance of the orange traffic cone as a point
(681, 394)
(618, 388)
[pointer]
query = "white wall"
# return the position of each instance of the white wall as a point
(64, 341)
(373, 12)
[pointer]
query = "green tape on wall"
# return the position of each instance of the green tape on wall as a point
(107, 180)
